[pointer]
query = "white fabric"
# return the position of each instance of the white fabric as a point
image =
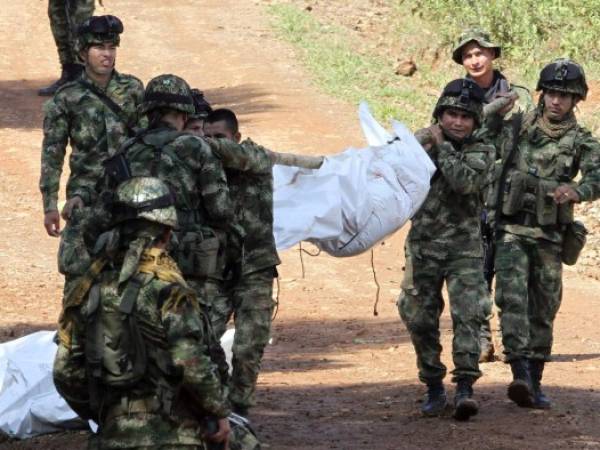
(356, 198)
(29, 402)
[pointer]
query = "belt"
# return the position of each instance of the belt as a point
(138, 406)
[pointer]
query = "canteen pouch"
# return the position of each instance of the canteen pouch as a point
(514, 193)
(197, 254)
(545, 206)
(574, 240)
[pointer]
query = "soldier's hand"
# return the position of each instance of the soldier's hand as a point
(52, 223)
(437, 134)
(75, 202)
(512, 99)
(564, 194)
(222, 436)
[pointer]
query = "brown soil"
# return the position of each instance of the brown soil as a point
(335, 376)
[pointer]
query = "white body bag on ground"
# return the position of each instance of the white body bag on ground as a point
(29, 402)
(356, 198)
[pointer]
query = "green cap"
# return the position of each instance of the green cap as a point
(474, 35)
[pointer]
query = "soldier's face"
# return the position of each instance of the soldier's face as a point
(100, 58)
(457, 123)
(478, 61)
(220, 130)
(558, 104)
(195, 127)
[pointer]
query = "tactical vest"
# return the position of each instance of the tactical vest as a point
(195, 244)
(531, 181)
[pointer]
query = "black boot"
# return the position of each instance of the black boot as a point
(69, 73)
(540, 401)
(520, 390)
(464, 405)
(436, 400)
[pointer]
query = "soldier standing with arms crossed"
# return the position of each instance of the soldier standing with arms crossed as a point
(444, 245)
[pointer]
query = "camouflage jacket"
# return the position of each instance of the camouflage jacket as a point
(252, 196)
(448, 223)
(559, 160)
(169, 318)
(76, 116)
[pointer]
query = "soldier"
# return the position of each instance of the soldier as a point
(65, 16)
(195, 122)
(539, 157)
(444, 245)
(94, 114)
(250, 297)
(476, 53)
(136, 351)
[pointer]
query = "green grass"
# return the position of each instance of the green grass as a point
(341, 71)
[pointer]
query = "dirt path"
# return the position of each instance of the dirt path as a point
(336, 377)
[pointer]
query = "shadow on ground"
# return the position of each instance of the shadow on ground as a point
(20, 106)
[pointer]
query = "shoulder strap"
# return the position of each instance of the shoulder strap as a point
(516, 122)
(110, 104)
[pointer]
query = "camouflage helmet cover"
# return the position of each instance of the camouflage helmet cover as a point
(474, 35)
(201, 106)
(463, 94)
(97, 30)
(168, 91)
(563, 75)
(145, 198)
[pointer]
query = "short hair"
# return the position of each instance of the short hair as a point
(226, 115)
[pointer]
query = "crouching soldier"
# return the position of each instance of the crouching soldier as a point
(540, 155)
(136, 351)
(444, 244)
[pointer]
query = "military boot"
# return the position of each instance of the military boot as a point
(486, 343)
(520, 390)
(464, 405)
(540, 401)
(69, 73)
(436, 400)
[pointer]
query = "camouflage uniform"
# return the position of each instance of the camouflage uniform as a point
(444, 244)
(500, 85)
(531, 226)
(157, 390)
(65, 16)
(250, 298)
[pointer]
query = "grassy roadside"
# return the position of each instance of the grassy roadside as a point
(344, 65)
(327, 50)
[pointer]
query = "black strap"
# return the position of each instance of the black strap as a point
(111, 105)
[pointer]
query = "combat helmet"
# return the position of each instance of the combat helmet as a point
(97, 30)
(201, 107)
(474, 35)
(463, 94)
(563, 75)
(145, 198)
(168, 91)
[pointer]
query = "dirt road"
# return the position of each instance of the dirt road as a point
(335, 377)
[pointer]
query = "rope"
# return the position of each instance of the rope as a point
(375, 312)
(276, 309)
(300, 251)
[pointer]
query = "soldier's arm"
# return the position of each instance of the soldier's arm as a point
(212, 186)
(465, 170)
(56, 136)
(588, 187)
(246, 157)
(186, 335)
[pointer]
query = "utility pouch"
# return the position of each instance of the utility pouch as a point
(566, 213)
(197, 254)
(117, 169)
(573, 242)
(514, 193)
(545, 206)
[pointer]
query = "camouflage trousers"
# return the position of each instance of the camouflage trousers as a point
(250, 302)
(528, 294)
(65, 16)
(421, 304)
